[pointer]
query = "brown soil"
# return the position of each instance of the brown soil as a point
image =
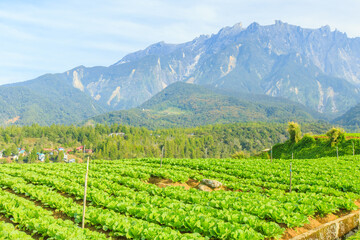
(293, 232)
(166, 183)
(191, 183)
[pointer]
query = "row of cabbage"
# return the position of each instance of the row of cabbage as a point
(38, 220)
(292, 210)
(178, 218)
(252, 213)
(326, 175)
(9, 232)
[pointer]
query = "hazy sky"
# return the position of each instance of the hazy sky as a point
(48, 36)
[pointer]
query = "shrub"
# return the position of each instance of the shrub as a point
(294, 131)
(306, 141)
(240, 155)
(336, 135)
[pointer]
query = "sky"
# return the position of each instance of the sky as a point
(48, 36)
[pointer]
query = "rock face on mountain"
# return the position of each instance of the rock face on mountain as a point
(319, 68)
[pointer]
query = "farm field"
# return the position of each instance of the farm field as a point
(138, 199)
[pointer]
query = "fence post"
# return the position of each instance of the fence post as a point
(353, 148)
(290, 175)
(292, 156)
(271, 153)
(162, 155)
(337, 152)
(84, 207)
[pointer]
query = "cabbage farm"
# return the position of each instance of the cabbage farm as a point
(171, 198)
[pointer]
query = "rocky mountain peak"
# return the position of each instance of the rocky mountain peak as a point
(318, 68)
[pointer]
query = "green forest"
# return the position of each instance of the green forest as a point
(120, 141)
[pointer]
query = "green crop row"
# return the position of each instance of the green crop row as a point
(9, 232)
(106, 219)
(178, 218)
(38, 220)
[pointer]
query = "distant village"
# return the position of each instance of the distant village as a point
(48, 155)
(60, 154)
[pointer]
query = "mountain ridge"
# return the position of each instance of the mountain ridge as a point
(319, 68)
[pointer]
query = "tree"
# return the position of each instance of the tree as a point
(47, 160)
(7, 138)
(33, 156)
(7, 152)
(20, 159)
(336, 135)
(294, 131)
(60, 156)
(240, 155)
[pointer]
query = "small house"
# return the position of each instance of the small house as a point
(22, 152)
(80, 148)
(48, 149)
(121, 134)
(41, 157)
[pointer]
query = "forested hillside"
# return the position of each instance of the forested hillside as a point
(188, 105)
(119, 141)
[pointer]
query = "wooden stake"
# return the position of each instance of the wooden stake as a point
(292, 156)
(162, 155)
(271, 153)
(337, 152)
(84, 207)
(205, 152)
(290, 175)
(353, 148)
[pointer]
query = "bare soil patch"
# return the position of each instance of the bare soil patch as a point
(162, 183)
(191, 183)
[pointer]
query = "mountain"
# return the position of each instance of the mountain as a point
(350, 119)
(46, 100)
(186, 105)
(318, 68)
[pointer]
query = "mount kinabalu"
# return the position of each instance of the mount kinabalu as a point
(316, 67)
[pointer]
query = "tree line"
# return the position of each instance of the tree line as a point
(215, 141)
